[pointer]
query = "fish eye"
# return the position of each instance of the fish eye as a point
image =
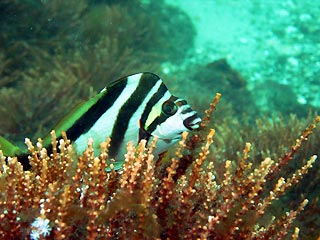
(169, 108)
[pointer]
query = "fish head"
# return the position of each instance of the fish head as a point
(178, 117)
(170, 117)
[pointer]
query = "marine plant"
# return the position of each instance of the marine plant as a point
(56, 54)
(186, 195)
(218, 192)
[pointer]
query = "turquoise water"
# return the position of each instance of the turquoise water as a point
(268, 42)
(263, 56)
(49, 47)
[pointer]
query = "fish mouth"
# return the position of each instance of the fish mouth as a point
(170, 140)
(192, 122)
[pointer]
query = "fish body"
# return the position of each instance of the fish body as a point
(132, 108)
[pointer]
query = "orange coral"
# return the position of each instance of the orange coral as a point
(64, 196)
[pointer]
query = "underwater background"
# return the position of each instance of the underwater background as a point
(262, 56)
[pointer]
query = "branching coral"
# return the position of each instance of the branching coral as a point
(203, 190)
(66, 197)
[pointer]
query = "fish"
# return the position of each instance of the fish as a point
(132, 108)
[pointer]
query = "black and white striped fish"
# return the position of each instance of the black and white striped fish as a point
(132, 108)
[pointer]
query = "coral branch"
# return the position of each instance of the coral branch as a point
(289, 155)
(69, 196)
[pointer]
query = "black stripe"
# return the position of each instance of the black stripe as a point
(88, 119)
(187, 110)
(147, 81)
(187, 122)
(24, 160)
(153, 100)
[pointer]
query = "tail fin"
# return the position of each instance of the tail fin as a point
(8, 148)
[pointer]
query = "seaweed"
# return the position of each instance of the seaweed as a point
(56, 54)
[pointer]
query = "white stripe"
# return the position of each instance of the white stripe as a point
(179, 100)
(132, 133)
(103, 89)
(104, 125)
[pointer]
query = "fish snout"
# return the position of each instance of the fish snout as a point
(192, 122)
